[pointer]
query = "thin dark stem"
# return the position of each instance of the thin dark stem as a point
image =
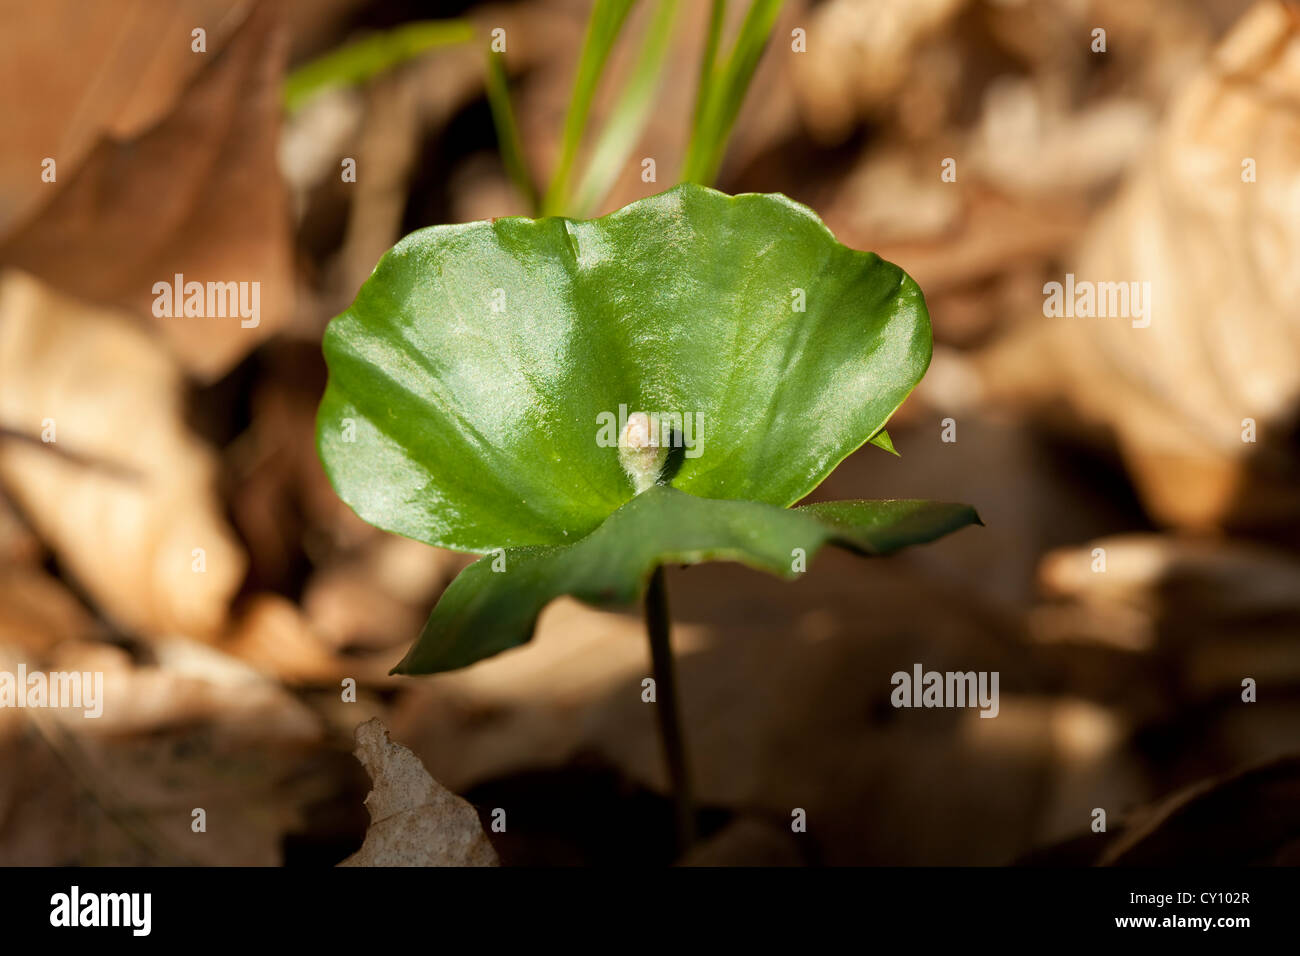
(670, 728)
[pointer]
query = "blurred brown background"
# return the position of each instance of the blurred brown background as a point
(1120, 690)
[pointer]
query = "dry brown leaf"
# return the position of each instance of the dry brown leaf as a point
(414, 820)
(382, 596)
(198, 195)
(113, 68)
(274, 636)
(994, 234)
(185, 683)
(18, 545)
(1200, 576)
(1224, 610)
(1029, 141)
(1219, 255)
(37, 611)
(1251, 818)
(128, 527)
(192, 729)
(888, 198)
(748, 841)
(864, 53)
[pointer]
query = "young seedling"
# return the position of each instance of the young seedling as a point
(587, 402)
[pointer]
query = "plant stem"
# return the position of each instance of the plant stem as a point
(670, 730)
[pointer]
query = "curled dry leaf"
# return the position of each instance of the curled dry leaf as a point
(37, 611)
(191, 728)
(124, 494)
(1208, 230)
(111, 68)
(274, 636)
(1223, 609)
(865, 52)
(1248, 819)
(1205, 577)
(18, 545)
(379, 598)
(414, 820)
(1029, 141)
(197, 195)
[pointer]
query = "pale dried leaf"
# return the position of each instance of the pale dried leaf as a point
(193, 728)
(198, 195)
(1219, 255)
(125, 494)
(414, 820)
(865, 50)
(113, 67)
(37, 611)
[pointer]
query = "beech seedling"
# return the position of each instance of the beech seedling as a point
(585, 402)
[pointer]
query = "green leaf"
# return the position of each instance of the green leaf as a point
(355, 63)
(494, 603)
(628, 118)
(603, 27)
(881, 439)
(885, 526)
(459, 425)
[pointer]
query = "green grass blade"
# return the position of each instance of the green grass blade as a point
(717, 16)
(603, 27)
(509, 142)
(631, 112)
(727, 91)
(354, 63)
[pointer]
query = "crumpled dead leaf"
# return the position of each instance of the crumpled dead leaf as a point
(18, 545)
(114, 68)
(1029, 141)
(414, 820)
(125, 494)
(275, 636)
(188, 728)
(1219, 253)
(198, 195)
(864, 55)
(1198, 576)
(1218, 610)
(37, 611)
(379, 598)
(1250, 818)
